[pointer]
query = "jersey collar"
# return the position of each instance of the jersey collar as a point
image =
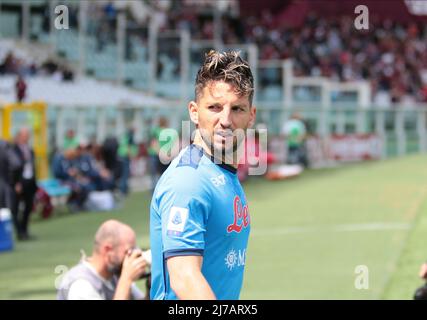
(216, 161)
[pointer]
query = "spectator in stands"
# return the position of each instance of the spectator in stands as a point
(127, 150)
(70, 140)
(110, 157)
(394, 53)
(21, 89)
(9, 65)
(65, 169)
(295, 133)
(25, 184)
(50, 67)
(67, 74)
(99, 178)
(157, 165)
(109, 274)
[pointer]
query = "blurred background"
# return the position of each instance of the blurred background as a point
(345, 112)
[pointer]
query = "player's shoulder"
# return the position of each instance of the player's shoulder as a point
(190, 157)
(187, 171)
(190, 164)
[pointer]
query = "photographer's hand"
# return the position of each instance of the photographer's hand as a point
(134, 266)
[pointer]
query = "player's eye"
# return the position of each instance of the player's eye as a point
(237, 108)
(214, 107)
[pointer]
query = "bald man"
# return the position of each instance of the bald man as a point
(25, 184)
(110, 272)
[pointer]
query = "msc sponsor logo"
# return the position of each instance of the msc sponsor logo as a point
(235, 259)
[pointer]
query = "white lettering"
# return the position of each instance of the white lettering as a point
(61, 21)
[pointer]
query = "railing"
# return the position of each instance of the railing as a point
(402, 129)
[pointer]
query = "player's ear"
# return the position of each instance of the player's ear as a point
(193, 111)
(252, 117)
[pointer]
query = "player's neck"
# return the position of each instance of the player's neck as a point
(198, 141)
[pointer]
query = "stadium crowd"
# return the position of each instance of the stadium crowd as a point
(392, 56)
(11, 64)
(86, 167)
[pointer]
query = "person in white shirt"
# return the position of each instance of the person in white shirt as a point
(110, 273)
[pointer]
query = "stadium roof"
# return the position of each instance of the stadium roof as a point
(81, 92)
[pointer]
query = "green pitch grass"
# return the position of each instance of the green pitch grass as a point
(308, 237)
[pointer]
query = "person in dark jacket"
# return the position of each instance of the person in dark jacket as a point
(9, 165)
(99, 178)
(65, 169)
(25, 184)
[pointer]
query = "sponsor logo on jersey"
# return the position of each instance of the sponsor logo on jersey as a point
(218, 181)
(241, 216)
(235, 259)
(177, 219)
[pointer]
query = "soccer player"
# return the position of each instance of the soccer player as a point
(200, 222)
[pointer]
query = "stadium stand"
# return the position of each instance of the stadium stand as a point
(115, 47)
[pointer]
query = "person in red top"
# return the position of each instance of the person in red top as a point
(21, 89)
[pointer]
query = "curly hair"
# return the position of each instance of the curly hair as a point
(228, 67)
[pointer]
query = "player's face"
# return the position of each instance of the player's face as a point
(222, 116)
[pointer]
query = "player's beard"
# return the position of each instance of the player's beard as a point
(224, 145)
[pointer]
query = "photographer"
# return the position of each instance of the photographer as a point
(110, 272)
(421, 292)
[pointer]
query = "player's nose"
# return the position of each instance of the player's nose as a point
(225, 118)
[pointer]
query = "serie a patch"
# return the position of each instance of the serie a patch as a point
(177, 219)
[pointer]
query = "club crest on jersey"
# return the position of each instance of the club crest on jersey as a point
(177, 219)
(241, 216)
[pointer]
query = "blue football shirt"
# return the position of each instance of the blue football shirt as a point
(199, 208)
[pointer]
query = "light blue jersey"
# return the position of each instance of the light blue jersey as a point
(199, 208)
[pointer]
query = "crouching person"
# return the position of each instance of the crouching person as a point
(110, 273)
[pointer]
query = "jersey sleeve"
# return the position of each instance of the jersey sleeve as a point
(184, 208)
